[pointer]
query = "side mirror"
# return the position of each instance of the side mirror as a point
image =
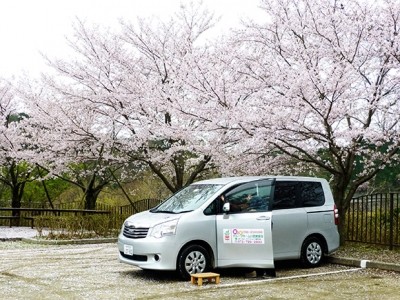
(226, 208)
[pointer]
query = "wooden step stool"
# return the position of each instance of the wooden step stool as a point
(211, 277)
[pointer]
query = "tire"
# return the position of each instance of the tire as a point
(312, 252)
(193, 259)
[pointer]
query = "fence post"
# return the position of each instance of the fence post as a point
(391, 220)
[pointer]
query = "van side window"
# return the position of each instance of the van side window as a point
(215, 207)
(250, 197)
(212, 209)
(292, 194)
(312, 194)
(285, 194)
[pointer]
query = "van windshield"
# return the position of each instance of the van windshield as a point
(187, 199)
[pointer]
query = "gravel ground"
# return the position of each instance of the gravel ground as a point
(368, 252)
(32, 271)
(18, 232)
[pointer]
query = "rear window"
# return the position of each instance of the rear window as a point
(294, 194)
(312, 194)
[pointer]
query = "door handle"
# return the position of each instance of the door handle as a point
(263, 218)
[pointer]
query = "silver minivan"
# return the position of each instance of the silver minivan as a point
(234, 222)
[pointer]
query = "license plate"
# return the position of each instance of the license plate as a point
(128, 250)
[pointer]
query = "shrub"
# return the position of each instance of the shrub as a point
(75, 226)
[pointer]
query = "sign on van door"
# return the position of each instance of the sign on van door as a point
(244, 237)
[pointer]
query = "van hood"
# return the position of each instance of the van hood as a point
(148, 219)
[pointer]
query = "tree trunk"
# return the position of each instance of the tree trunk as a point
(338, 196)
(92, 192)
(343, 193)
(17, 192)
(91, 198)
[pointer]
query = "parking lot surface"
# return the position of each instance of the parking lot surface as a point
(29, 271)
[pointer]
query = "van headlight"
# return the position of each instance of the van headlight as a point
(163, 229)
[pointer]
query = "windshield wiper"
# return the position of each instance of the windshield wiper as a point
(163, 211)
(170, 212)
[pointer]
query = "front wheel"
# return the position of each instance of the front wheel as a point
(312, 253)
(193, 259)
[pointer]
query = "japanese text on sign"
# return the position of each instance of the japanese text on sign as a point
(244, 236)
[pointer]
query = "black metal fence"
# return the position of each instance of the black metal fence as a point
(374, 219)
(120, 213)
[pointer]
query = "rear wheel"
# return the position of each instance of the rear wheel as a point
(193, 259)
(312, 252)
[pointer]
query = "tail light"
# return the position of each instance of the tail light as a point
(336, 215)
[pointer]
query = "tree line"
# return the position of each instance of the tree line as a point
(314, 89)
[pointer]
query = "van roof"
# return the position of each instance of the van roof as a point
(242, 179)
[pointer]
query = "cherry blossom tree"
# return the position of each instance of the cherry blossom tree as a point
(68, 139)
(325, 76)
(313, 90)
(15, 173)
(176, 149)
(117, 96)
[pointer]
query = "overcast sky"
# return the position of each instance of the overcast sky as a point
(28, 27)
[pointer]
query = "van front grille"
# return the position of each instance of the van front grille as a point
(134, 257)
(133, 232)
